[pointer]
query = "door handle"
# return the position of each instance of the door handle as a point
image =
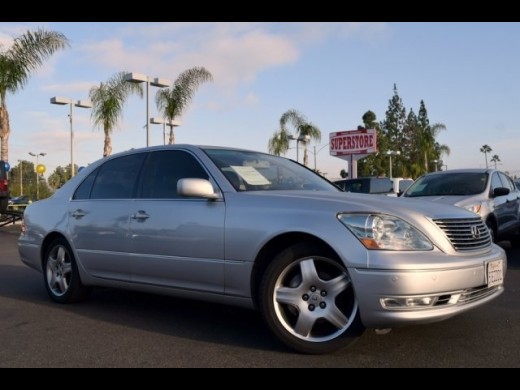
(140, 215)
(78, 213)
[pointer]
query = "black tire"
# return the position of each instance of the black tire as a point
(492, 230)
(3, 204)
(60, 274)
(300, 310)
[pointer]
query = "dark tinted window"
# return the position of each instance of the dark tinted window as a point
(380, 186)
(117, 178)
(164, 169)
(3, 173)
(367, 185)
(83, 191)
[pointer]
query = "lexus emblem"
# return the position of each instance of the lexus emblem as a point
(475, 232)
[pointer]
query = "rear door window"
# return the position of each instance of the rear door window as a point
(379, 186)
(117, 178)
(3, 173)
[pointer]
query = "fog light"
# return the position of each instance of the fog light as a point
(408, 302)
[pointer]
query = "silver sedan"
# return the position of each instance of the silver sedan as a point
(251, 229)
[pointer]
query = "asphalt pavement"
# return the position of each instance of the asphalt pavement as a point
(117, 328)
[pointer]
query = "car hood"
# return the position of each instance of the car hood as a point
(456, 200)
(354, 202)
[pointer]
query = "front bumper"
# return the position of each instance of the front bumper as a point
(450, 291)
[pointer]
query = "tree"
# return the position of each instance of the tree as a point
(495, 159)
(374, 164)
(172, 102)
(278, 144)
(486, 149)
(21, 177)
(27, 53)
(303, 130)
(108, 100)
(60, 176)
(431, 149)
(393, 125)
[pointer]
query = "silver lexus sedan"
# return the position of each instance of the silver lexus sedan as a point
(247, 228)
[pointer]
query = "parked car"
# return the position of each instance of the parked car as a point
(19, 203)
(517, 184)
(366, 185)
(4, 188)
(401, 184)
(260, 231)
(487, 192)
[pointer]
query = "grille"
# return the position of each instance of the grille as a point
(465, 234)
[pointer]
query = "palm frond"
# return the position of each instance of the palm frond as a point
(171, 102)
(28, 52)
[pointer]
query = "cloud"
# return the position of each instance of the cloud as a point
(233, 52)
(251, 99)
(80, 86)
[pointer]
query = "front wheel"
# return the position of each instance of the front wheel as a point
(492, 230)
(61, 275)
(308, 301)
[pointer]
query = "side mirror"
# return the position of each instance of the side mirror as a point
(196, 188)
(500, 191)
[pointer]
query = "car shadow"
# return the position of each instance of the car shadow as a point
(182, 318)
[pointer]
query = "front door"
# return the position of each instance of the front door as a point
(176, 242)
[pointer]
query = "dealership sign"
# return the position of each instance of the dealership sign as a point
(346, 143)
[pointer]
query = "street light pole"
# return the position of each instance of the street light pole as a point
(164, 122)
(79, 103)
(156, 82)
(316, 152)
(390, 154)
(21, 177)
(37, 155)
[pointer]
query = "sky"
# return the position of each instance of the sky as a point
(331, 72)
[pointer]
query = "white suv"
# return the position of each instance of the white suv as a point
(487, 192)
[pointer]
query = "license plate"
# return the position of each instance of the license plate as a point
(494, 273)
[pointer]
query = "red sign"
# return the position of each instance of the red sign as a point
(345, 143)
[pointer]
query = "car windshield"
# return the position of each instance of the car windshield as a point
(254, 171)
(452, 183)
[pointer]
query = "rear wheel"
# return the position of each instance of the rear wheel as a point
(308, 301)
(61, 275)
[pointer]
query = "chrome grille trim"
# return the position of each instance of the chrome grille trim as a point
(465, 234)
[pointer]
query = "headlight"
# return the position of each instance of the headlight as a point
(379, 231)
(474, 207)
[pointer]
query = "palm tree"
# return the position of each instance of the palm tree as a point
(431, 148)
(279, 143)
(172, 102)
(27, 53)
(108, 100)
(495, 159)
(305, 131)
(486, 149)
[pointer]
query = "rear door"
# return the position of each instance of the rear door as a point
(99, 216)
